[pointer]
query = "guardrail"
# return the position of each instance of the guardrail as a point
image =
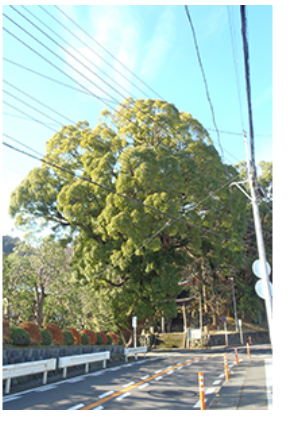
(75, 360)
(134, 351)
(22, 369)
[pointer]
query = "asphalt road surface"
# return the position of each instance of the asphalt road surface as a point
(168, 381)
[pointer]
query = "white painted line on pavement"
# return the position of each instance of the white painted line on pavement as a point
(170, 371)
(8, 399)
(160, 370)
(269, 382)
(222, 375)
(72, 381)
(101, 396)
(210, 390)
(98, 408)
(45, 388)
(188, 364)
(217, 381)
(143, 386)
(145, 377)
(197, 405)
(127, 385)
(123, 396)
(74, 408)
(158, 378)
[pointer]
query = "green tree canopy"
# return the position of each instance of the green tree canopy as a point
(151, 152)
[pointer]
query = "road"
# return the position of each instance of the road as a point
(166, 381)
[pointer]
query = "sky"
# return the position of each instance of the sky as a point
(154, 42)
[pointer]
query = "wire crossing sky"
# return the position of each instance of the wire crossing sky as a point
(100, 45)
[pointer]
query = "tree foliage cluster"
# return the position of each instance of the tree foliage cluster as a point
(129, 257)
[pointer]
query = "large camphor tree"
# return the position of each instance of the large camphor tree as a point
(149, 152)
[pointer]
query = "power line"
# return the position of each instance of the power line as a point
(37, 101)
(51, 79)
(132, 199)
(109, 53)
(203, 75)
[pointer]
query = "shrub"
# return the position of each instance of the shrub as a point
(114, 338)
(109, 339)
(76, 335)
(99, 339)
(34, 332)
(68, 337)
(120, 341)
(104, 337)
(20, 337)
(84, 339)
(6, 330)
(46, 337)
(91, 335)
(56, 333)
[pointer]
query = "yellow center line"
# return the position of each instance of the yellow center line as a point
(117, 394)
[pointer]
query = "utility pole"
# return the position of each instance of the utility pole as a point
(252, 179)
(260, 241)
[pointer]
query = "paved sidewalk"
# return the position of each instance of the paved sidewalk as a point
(249, 387)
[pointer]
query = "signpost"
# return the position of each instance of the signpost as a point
(225, 330)
(134, 324)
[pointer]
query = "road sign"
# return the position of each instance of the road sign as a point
(257, 269)
(224, 319)
(259, 289)
(133, 321)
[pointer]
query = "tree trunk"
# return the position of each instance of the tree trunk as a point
(163, 320)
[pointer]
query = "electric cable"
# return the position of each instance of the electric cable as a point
(132, 199)
(109, 53)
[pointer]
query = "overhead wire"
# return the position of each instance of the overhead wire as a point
(107, 51)
(132, 199)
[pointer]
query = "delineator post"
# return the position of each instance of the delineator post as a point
(201, 391)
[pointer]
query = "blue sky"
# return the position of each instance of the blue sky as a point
(156, 43)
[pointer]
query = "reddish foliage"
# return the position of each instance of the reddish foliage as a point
(34, 332)
(91, 335)
(104, 337)
(6, 331)
(115, 339)
(76, 335)
(56, 333)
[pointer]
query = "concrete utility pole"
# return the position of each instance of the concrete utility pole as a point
(260, 241)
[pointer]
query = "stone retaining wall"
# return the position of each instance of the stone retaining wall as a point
(20, 355)
(258, 337)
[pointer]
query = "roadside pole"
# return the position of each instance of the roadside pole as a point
(259, 239)
(134, 331)
(241, 332)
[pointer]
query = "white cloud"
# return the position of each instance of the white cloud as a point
(159, 45)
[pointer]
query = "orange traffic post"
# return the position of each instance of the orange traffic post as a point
(226, 367)
(248, 350)
(201, 392)
(236, 357)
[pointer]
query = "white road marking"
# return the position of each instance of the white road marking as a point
(8, 399)
(160, 370)
(115, 368)
(158, 378)
(210, 390)
(72, 381)
(127, 385)
(217, 381)
(177, 364)
(170, 371)
(98, 408)
(222, 375)
(143, 386)
(145, 377)
(197, 405)
(73, 408)
(123, 396)
(105, 394)
(269, 382)
(45, 388)
(188, 364)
